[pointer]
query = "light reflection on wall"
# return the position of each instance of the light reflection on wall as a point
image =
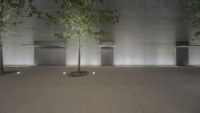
(14, 51)
(165, 54)
(144, 45)
(194, 55)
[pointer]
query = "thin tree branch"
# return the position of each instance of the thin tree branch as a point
(1, 13)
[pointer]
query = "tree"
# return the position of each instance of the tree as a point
(82, 19)
(194, 16)
(9, 11)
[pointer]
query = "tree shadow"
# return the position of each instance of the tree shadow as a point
(8, 73)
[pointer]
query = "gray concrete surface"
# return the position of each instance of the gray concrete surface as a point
(145, 35)
(111, 90)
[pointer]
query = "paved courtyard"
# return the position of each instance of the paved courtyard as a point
(110, 90)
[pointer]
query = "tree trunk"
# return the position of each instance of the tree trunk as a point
(79, 55)
(1, 44)
(2, 64)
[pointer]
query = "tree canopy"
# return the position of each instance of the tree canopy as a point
(11, 9)
(194, 15)
(83, 18)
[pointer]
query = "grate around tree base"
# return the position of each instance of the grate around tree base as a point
(78, 74)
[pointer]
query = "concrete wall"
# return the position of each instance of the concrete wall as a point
(148, 30)
(145, 35)
(14, 51)
(194, 51)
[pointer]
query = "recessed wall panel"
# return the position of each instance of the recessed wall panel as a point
(90, 52)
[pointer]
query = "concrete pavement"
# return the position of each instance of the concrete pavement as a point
(110, 90)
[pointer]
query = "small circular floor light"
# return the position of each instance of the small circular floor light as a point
(18, 73)
(64, 73)
(94, 73)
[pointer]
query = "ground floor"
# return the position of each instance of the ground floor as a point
(109, 90)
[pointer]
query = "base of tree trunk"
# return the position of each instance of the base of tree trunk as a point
(78, 74)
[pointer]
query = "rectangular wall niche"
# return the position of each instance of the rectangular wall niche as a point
(107, 53)
(107, 56)
(50, 53)
(182, 53)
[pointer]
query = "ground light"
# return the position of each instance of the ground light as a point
(18, 73)
(64, 73)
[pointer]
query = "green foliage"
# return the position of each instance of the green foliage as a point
(194, 15)
(83, 18)
(13, 9)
